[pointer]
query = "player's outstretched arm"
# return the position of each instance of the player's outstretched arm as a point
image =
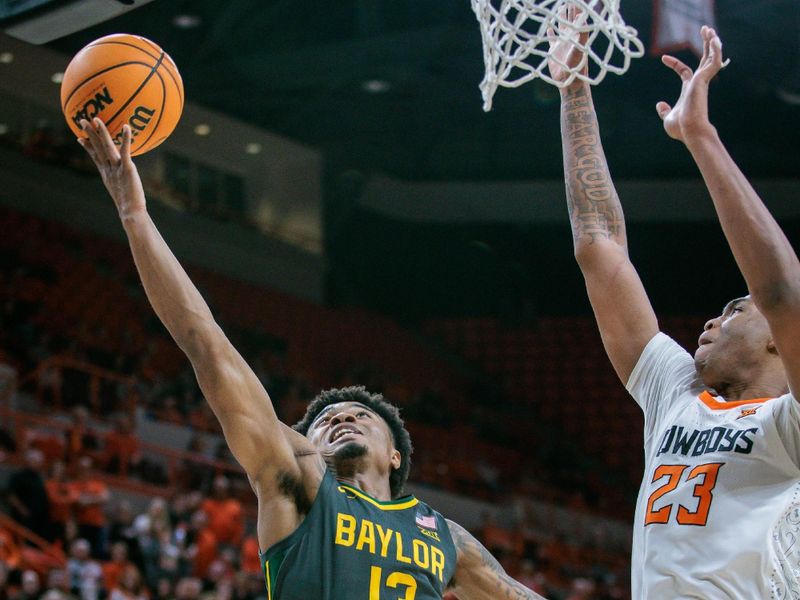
(478, 575)
(260, 442)
(624, 315)
(764, 255)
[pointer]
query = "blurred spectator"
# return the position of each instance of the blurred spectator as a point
(92, 496)
(168, 564)
(248, 556)
(582, 589)
(31, 587)
(532, 580)
(58, 582)
(225, 513)
(27, 495)
(129, 586)
(121, 529)
(62, 496)
(114, 568)
(168, 411)
(163, 589)
(188, 588)
(81, 439)
(220, 574)
(248, 587)
(56, 595)
(85, 574)
(156, 518)
(202, 544)
(121, 446)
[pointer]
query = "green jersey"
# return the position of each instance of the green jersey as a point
(351, 546)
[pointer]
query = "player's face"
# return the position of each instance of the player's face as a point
(733, 343)
(350, 430)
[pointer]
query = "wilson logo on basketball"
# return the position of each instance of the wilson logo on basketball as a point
(93, 107)
(138, 121)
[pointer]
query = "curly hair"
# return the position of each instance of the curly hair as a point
(377, 403)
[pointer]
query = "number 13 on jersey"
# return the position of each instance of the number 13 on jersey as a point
(393, 580)
(702, 477)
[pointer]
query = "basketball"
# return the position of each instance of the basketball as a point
(122, 79)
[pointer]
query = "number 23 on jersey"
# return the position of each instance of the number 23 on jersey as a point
(702, 477)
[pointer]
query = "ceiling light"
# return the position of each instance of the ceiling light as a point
(6, 58)
(253, 148)
(376, 86)
(57, 77)
(202, 129)
(186, 21)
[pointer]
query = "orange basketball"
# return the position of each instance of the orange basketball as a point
(122, 79)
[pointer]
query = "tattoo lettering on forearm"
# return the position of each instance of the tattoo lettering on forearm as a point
(594, 208)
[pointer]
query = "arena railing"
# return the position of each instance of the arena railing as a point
(52, 552)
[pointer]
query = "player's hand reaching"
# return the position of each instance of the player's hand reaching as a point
(116, 168)
(565, 54)
(689, 118)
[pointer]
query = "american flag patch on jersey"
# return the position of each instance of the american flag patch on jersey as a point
(428, 522)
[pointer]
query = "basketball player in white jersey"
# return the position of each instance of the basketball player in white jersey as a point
(718, 514)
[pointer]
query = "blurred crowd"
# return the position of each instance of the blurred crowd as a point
(200, 545)
(193, 546)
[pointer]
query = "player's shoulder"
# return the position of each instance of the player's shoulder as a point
(785, 403)
(662, 345)
(665, 361)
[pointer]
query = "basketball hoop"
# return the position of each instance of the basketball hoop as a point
(516, 46)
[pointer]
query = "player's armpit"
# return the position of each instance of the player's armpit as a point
(478, 575)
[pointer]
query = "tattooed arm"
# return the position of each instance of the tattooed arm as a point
(623, 312)
(479, 576)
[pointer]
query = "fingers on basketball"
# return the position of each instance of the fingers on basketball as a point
(86, 142)
(105, 138)
(101, 150)
(127, 137)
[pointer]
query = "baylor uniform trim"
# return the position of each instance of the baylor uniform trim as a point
(351, 546)
(267, 578)
(399, 504)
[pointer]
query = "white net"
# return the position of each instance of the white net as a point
(516, 46)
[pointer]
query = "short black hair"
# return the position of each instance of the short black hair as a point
(385, 410)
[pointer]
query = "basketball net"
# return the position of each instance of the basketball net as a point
(516, 46)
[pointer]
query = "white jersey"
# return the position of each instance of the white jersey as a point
(718, 514)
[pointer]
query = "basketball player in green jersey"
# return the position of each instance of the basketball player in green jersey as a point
(331, 519)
